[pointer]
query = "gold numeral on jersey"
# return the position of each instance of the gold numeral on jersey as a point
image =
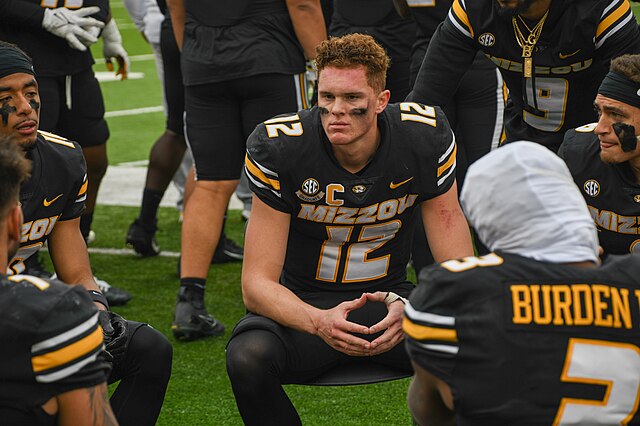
(423, 113)
(289, 125)
(69, 4)
(37, 282)
(464, 264)
(358, 266)
(421, 3)
(613, 365)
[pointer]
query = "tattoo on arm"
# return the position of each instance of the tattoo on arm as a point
(101, 411)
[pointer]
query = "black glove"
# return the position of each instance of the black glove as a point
(114, 328)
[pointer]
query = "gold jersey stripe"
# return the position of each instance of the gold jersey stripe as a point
(69, 353)
(462, 15)
(422, 332)
(51, 137)
(257, 173)
(83, 188)
(611, 19)
(449, 163)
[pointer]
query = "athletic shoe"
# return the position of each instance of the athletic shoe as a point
(227, 251)
(33, 266)
(142, 239)
(191, 320)
(115, 296)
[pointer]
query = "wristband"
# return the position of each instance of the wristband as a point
(96, 296)
(392, 297)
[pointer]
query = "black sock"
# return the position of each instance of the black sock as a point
(85, 224)
(192, 290)
(192, 284)
(150, 203)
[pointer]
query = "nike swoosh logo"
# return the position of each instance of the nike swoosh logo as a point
(47, 203)
(395, 185)
(562, 56)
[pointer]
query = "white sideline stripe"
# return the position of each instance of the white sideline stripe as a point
(134, 58)
(129, 252)
(123, 252)
(137, 163)
(135, 111)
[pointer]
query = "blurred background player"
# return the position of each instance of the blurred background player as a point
(379, 19)
(74, 107)
(169, 158)
(38, 320)
(242, 62)
(552, 56)
(534, 332)
(604, 158)
(52, 200)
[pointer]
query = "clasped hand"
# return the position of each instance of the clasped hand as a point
(333, 327)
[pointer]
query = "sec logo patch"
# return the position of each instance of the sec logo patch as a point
(487, 39)
(310, 191)
(592, 187)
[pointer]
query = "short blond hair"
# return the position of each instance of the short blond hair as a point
(352, 50)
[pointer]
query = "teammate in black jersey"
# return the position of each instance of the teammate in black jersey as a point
(74, 107)
(50, 368)
(69, 89)
(337, 190)
(242, 62)
(552, 55)
(52, 200)
(604, 158)
(536, 332)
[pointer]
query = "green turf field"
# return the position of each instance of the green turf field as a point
(199, 391)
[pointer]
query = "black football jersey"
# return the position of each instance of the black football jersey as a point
(523, 342)
(428, 14)
(229, 39)
(571, 57)
(56, 190)
(50, 339)
(610, 190)
(20, 23)
(377, 18)
(350, 231)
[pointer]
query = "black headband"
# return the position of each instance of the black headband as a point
(13, 61)
(619, 87)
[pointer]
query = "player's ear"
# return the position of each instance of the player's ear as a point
(383, 100)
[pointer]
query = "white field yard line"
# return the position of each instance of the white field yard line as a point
(134, 111)
(134, 58)
(125, 252)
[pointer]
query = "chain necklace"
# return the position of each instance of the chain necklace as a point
(528, 43)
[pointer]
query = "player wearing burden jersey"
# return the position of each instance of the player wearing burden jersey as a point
(552, 55)
(536, 332)
(337, 189)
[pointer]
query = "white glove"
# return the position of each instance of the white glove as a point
(72, 25)
(112, 48)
